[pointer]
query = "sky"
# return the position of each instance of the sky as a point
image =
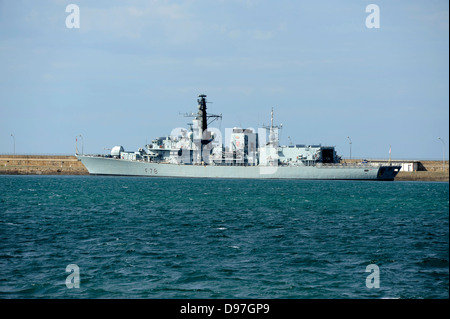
(132, 68)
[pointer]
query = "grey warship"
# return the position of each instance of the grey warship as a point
(199, 152)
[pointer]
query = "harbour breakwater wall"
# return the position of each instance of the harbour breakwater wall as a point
(69, 165)
(41, 165)
(427, 171)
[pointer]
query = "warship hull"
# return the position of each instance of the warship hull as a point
(97, 165)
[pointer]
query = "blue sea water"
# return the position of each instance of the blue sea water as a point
(194, 238)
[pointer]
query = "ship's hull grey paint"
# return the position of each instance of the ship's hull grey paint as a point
(109, 166)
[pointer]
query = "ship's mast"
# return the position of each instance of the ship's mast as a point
(202, 118)
(204, 137)
(202, 115)
(271, 119)
(273, 134)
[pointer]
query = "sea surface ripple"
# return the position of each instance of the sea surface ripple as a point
(196, 238)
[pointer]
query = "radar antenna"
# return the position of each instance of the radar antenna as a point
(273, 134)
(202, 116)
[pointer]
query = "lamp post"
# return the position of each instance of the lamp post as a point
(14, 144)
(82, 144)
(443, 153)
(350, 146)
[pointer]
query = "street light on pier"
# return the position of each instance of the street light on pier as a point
(350, 146)
(82, 144)
(14, 144)
(443, 153)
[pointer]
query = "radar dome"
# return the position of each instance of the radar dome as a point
(115, 151)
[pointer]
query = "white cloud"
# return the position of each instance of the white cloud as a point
(261, 35)
(48, 76)
(157, 18)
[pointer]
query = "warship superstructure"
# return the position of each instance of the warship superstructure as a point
(199, 152)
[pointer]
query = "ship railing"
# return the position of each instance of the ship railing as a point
(348, 165)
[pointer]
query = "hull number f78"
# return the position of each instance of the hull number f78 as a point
(151, 171)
